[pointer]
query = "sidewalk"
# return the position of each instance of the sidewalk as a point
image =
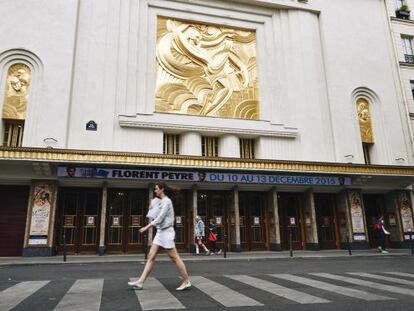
(86, 259)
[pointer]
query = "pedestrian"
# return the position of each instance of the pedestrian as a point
(381, 233)
(164, 238)
(154, 208)
(199, 232)
(213, 237)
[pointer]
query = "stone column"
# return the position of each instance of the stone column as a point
(40, 220)
(274, 235)
(312, 242)
(190, 144)
(229, 146)
(193, 220)
(235, 237)
(358, 226)
(344, 220)
(102, 227)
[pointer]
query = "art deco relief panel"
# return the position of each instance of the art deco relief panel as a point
(17, 85)
(206, 70)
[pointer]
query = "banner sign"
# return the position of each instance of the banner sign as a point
(136, 174)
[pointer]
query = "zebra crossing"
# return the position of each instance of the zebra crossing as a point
(227, 291)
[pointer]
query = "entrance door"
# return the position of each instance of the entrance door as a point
(290, 220)
(213, 205)
(125, 216)
(79, 219)
(180, 202)
(13, 212)
(252, 220)
(326, 221)
(374, 209)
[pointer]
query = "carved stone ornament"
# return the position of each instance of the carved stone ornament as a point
(206, 70)
(364, 117)
(16, 95)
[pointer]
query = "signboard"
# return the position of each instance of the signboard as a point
(135, 220)
(357, 216)
(178, 219)
(40, 213)
(91, 221)
(256, 220)
(69, 221)
(405, 211)
(137, 174)
(292, 221)
(115, 221)
(359, 237)
(218, 220)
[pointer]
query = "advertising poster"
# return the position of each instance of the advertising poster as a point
(357, 216)
(406, 212)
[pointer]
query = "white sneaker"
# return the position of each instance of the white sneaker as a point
(384, 252)
(136, 285)
(380, 249)
(184, 287)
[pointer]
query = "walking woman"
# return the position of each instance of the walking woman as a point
(164, 238)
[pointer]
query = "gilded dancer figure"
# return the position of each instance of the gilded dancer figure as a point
(206, 70)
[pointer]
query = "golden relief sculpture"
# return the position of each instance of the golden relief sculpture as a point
(206, 70)
(16, 93)
(364, 116)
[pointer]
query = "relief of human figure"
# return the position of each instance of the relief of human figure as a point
(203, 67)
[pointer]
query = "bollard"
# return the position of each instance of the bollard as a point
(145, 244)
(64, 245)
(225, 245)
(411, 242)
(290, 242)
(348, 242)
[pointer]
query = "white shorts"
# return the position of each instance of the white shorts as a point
(165, 238)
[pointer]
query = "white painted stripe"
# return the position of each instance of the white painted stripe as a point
(278, 290)
(340, 290)
(382, 278)
(156, 296)
(84, 295)
(222, 294)
(14, 295)
(408, 275)
(375, 285)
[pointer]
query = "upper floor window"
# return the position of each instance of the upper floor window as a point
(171, 144)
(247, 148)
(402, 10)
(408, 48)
(13, 133)
(209, 146)
(412, 87)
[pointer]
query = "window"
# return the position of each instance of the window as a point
(408, 49)
(13, 133)
(171, 144)
(367, 148)
(209, 146)
(247, 148)
(412, 87)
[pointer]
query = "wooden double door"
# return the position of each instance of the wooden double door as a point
(253, 220)
(79, 220)
(374, 209)
(290, 206)
(326, 219)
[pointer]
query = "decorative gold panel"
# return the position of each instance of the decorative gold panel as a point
(17, 86)
(364, 117)
(206, 70)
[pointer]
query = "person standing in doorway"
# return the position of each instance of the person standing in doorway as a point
(381, 233)
(199, 232)
(164, 238)
(212, 237)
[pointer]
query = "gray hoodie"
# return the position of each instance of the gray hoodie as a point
(165, 218)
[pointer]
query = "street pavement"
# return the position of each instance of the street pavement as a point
(257, 281)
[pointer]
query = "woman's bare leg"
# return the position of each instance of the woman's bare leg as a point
(150, 263)
(172, 253)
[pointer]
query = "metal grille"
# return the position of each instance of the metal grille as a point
(209, 146)
(247, 148)
(13, 134)
(171, 144)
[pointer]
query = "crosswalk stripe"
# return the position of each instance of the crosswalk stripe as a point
(408, 275)
(341, 290)
(278, 290)
(222, 294)
(388, 288)
(381, 277)
(14, 295)
(84, 295)
(156, 296)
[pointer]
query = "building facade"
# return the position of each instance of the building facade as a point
(272, 117)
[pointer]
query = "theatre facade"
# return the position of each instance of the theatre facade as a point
(255, 111)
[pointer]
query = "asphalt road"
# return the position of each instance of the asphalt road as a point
(272, 284)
